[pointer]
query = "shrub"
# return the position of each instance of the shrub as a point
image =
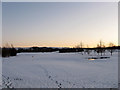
(9, 51)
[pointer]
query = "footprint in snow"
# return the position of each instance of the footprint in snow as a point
(56, 82)
(18, 79)
(49, 76)
(73, 84)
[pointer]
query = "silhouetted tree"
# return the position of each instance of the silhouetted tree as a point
(13, 51)
(8, 51)
(111, 48)
(87, 50)
(79, 48)
(104, 49)
(5, 52)
(100, 48)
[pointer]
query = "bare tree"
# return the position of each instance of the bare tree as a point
(100, 48)
(8, 51)
(87, 50)
(104, 49)
(80, 47)
(97, 49)
(111, 49)
(6, 45)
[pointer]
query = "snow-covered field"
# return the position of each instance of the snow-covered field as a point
(59, 70)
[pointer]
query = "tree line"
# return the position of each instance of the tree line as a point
(8, 51)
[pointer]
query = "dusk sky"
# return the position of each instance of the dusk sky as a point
(61, 24)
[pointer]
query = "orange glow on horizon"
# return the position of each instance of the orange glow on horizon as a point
(72, 46)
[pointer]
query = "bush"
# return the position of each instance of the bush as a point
(6, 52)
(13, 52)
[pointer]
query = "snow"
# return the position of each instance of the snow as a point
(60, 70)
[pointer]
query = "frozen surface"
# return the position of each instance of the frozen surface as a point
(60, 70)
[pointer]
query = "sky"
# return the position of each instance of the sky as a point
(59, 24)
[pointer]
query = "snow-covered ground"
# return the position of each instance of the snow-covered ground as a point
(59, 70)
